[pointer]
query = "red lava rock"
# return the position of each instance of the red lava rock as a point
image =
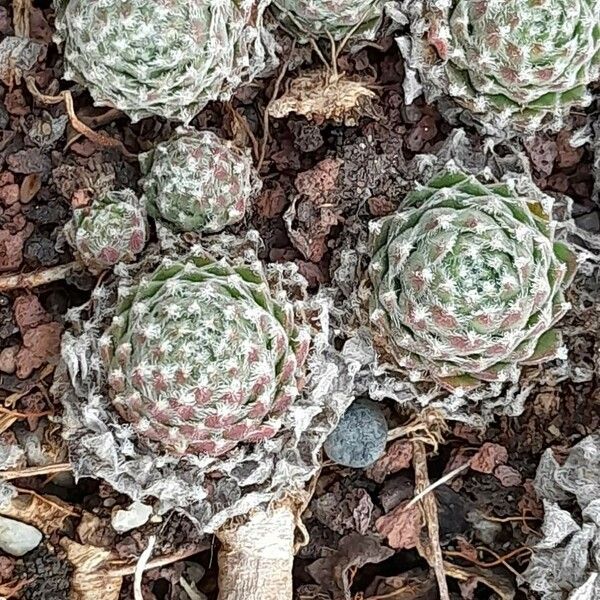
(5, 22)
(8, 358)
(16, 104)
(379, 206)
(320, 180)
(9, 194)
(397, 457)
(508, 476)
(41, 345)
(31, 160)
(11, 248)
(38, 26)
(6, 177)
(424, 131)
(85, 148)
(29, 313)
(271, 202)
(567, 155)
(466, 432)
(401, 527)
(543, 153)
(559, 183)
(488, 457)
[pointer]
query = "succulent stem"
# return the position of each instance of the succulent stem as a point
(256, 558)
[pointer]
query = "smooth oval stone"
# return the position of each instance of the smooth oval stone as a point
(360, 437)
(17, 538)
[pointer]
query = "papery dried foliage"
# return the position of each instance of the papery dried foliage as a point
(322, 96)
(566, 560)
(46, 513)
(266, 429)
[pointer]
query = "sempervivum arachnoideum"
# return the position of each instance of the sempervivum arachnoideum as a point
(111, 230)
(467, 282)
(196, 181)
(201, 358)
(335, 18)
(162, 57)
(516, 63)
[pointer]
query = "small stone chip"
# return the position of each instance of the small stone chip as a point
(360, 437)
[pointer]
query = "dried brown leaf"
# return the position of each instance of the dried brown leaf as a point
(335, 572)
(47, 513)
(321, 96)
(92, 578)
(416, 584)
(41, 345)
(494, 579)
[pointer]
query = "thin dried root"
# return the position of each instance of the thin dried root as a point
(265, 136)
(97, 137)
(120, 568)
(432, 550)
(34, 471)
(21, 17)
(37, 278)
(428, 427)
(447, 477)
(8, 590)
(500, 560)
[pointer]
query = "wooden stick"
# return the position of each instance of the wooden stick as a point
(34, 471)
(37, 278)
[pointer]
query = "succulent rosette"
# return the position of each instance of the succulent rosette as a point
(335, 18)
(517, 63)
(468, 282)
(111, 230)
(201, 358)
(196, 181)
(162, 57)
(208, 384)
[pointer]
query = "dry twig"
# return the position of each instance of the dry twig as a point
(21, 17)
(433, 551)
(34, 471)
(37, 278)
(266, 114)
(97, 137)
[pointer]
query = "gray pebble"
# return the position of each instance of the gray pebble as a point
(360, 437)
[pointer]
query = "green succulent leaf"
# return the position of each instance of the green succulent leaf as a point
(467, 282)
(200, 357)
(335, 18)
